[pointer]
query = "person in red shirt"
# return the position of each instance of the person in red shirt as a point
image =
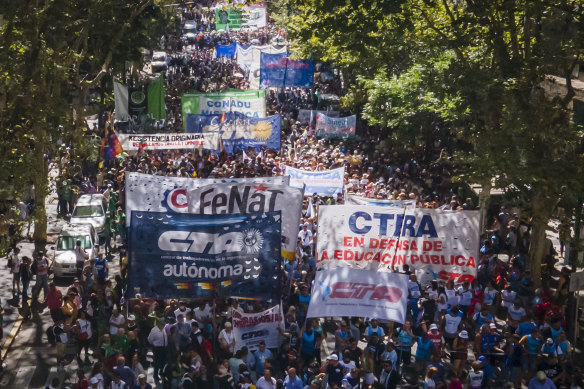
(54, 302)
(436, 337)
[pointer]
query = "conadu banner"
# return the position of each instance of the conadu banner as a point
(436, 244)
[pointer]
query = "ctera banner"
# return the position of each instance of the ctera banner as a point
(330, 127)
(168, 141)
(324, 183)
(234, 199)
(239, 132)
(279, 71)
(435, 244)
(250, 329)
(183, 255)
(366, 293)
(250, 103)
(147, 192)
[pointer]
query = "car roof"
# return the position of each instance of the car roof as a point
(91, 199)
(76, 229)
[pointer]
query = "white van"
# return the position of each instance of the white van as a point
(91, 209)
(64, 259)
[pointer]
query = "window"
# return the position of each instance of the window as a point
(68, 242)
(88, 211)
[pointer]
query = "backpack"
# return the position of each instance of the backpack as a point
(51, 336)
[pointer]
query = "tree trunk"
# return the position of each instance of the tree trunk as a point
(484, 197)
(40, 178)
(537, 249)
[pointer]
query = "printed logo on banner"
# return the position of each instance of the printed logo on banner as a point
(436, 244)
(358, 290)
(185, 255)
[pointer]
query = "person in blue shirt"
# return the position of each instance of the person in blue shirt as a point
(260, 356)
(526, 326)
(292, 381)
(541, 381)
(101, 268)
(423, 351)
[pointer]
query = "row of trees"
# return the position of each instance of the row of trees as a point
(475, 68)
(53, 53)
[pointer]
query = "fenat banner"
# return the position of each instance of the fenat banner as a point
(236, 199)
(174, 141)
(280, 71)
(365, 293)
(358, 200)
(249, 58)
(190, 256)
(435, 244)
(330, 127)
(147, 192)
(324, 183)
(250, 329)
(226, 50)
(239, 132)
(250, 103)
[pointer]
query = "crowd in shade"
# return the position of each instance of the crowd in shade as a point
(496, 331)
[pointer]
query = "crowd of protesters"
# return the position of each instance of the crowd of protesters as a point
(496, 330)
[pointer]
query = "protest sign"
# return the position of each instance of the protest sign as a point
(358, 200)
(304, 115)
(251, 103)
(226, 50)
(249, 58)
(147, 192)
(279, 71)
(239, 132)
(170, 141)
(237, 18)
(234, 199)
(366, 293)
(189, 256)
(435, 244)
(250, 329)
(327, 126)
(325, 183)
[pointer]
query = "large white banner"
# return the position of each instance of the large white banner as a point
(324, 183)
(335, 127)
(251, 328)
(359, 293)
(147, 192)
(132, 142)
(219, 199)
(250, 58)
(358, 200)
(436, 244)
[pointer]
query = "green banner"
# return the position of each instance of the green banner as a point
(231, 17)
(156, 107)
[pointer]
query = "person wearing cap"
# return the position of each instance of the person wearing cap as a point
(459, 353)
(117, 382)
(541, 381)
(227, 340)
(142, 384)
(475, 376)
(550, 348)
(435, 336)
(334, 370)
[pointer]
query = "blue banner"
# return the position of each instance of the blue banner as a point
(226, 50)
(324, 183)
(239, 132)
(190, 256)
(278, 71)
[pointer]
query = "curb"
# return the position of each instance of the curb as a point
(11, 336)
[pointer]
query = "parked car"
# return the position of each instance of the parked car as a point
(64, 259)
(91, 209)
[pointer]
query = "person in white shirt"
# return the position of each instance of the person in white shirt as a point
(266, 381)
(305, 235)
(116, 322)
(159, 340)
(227, 339)
(80, 257)
(181, 310)
(203, 313)
(15, 270)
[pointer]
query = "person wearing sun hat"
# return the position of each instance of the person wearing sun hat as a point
(460, 352)
(541, 381)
